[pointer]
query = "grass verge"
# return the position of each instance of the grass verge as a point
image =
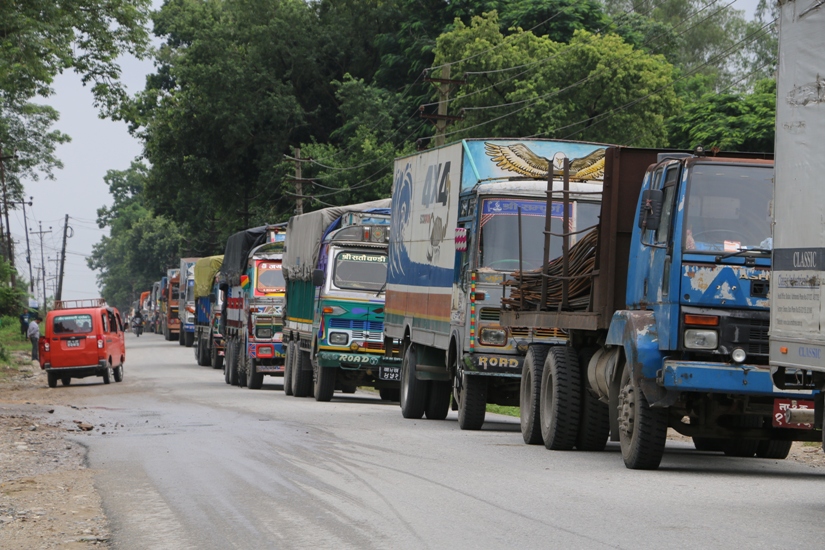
(500, 409)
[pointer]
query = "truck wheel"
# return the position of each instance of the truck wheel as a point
(529, 394)
(202, 353)
(774, 449)
(233, 363)
(301, 376)
(181, 337)
(390, 394)
(560, 399)
(243, 362)
(290, 354)
(324, 381)
(438, 400)
(738, 446)
(642, 430)
(594, 419)
(472, 401)
(254, 379)
(710, 444)
(413, 391)
(167, 335)
(188, 339)
(226, 351)
(214, 358)
(350, 389)
(52, 379)
(119, 373)
(67, 380)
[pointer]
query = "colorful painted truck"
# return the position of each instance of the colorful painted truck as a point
(186, 336)
(667, 310)
(797, 347)
(209, 348)
(254, 300)
(335, 265)
(455, 236)
(169, 318)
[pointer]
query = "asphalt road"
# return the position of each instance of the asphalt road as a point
(189, 462)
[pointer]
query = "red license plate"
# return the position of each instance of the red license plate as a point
(782, 405)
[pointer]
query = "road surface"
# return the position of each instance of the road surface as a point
(189, 462)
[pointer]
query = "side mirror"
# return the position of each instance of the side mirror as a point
(318, 277)
(650, 209)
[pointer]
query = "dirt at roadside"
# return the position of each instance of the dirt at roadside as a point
(807, 453)
(47, 495)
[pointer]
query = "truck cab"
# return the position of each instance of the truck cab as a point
(186, 336)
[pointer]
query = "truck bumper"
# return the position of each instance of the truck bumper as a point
(355, 361)
(508, 366)
(721, 378)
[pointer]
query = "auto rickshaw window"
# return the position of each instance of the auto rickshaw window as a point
(72, 324)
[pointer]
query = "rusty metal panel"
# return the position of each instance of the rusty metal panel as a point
(571, 320)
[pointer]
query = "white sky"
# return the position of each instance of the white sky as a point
(78, 190)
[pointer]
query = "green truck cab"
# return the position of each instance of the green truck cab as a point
(335, 265)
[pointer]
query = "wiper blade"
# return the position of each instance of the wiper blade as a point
(380, 290)
(742, 251)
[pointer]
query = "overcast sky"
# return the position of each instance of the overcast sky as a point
(78, 190)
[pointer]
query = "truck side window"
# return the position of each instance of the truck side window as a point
(655, 183)
(669, 188)
(112, 322)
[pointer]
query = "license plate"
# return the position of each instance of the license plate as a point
(389, 373)
(73, 344)
(783, 404)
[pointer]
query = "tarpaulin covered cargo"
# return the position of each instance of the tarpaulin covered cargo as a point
(305, 232)
(205, 271)
(237, 250)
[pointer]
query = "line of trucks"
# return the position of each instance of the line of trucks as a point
(612, 293)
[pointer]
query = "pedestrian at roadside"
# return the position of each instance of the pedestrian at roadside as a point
(34, 335)
(24, 324)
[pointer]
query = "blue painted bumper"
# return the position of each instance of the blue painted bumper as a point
(189, 327)
(721, 378)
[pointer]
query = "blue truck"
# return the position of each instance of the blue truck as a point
(208, 343)
(673, 330)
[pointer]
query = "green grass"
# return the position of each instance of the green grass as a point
(11, 340)
(500, 409)
(811, 443)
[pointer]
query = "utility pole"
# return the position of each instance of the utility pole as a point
(43, 261)
(445, 85)
(59, 294)
(9, 249)
(299, 185)
(28, 248)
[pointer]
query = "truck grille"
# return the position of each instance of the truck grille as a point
(749, 334)
(353, 324)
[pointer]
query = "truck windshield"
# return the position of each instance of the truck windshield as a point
(728, 208)
(190, 290)
(175, 293)
(498, 245)
(270, 277)
(360, 271)
(72, 324)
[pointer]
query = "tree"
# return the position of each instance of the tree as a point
(139, 247)
(729, 121)
(595, 88)
(41, 38)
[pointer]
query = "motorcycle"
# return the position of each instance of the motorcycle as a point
(137, 326)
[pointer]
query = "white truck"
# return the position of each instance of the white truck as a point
(797, 333)
(461, 215)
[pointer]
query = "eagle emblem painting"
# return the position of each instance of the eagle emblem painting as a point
(520, 159)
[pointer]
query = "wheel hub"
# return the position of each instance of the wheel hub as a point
(627, 408)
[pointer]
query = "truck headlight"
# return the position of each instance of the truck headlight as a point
(701, 339)
(493, 337)
(338, 338)
(263, 332)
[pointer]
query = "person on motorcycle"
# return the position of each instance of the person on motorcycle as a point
(137, 323)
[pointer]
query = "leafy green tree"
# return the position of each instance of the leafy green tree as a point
(139, 247)
(41, 38)
(729, 121)
(595, 88)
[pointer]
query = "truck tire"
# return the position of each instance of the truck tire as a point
(215, 358)
(390, 394)
(472, 401)
(642, 430)
(181, 336)
(594, 417)
(232, 362)
(167, 334)
(350, 388)
(301, 376)
(202, 353)
(52, 379)
(774, 449)
(66, 380)
(254, 379)
(740, 447)
(288, 360)
(188, 339)
(324, 381)
(242, 363)
(709, 444)
(413, 391)
(560, 399)
(119, 373)
(438, 400)
(107, 375)
(529, 394)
